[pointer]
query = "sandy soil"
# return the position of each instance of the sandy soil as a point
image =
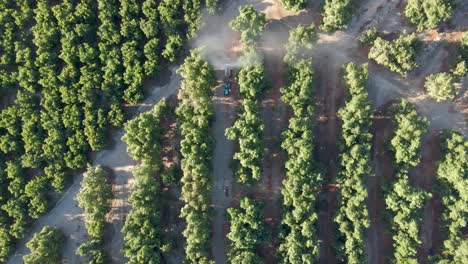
(69, 217)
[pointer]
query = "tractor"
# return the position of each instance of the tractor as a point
(227, 80)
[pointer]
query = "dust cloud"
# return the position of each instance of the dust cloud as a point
(221, 45)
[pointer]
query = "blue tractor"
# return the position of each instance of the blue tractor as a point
(227, 80)
(227, 88)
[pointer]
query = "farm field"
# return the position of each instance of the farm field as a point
(233, 131)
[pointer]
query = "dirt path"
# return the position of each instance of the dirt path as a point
(222, 174)
(329, 97)
(66, 214)
(424, 176)
(273, 114)
(378, 241)
(219, 39)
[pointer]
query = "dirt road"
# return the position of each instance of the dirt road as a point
(223, 177)
(219, 41)
(424, 176)
(329, 98)
(274, 115)
(378, 241)
(66, 214)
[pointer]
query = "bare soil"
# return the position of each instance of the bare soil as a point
(330, 96)
(223, 180)
(172, 224)
(424, 177)
(379, 241)
(273, 112)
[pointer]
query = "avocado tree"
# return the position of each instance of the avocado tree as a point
(461, 62)
(247, 231)
(300, 43)
(249, 23)
(336, 14)
(195, 111)
(369, 36)
(398, 55)
(352, 217)
(299, 241)
(248, 128)
(426, 14)
(406, 143)
(45, 246)
(295, 5)
(452, 176)
(143, 233)
(440, 86)
(404, 201)
(143, 132)
(93, 198)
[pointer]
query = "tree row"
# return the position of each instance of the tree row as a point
(195, 113)
(248, 127)
(405, 202)
(353, 217)
(299, 237)
(452, 185)
(143, 241)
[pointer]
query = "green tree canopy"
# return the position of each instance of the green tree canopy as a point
(46, 247)
(249, 23)
(93, 198)
(440, 86)
(369, 36)
(248, 130)
(406, 143)
(461, 62)
(194, 113)
(426, 14)
(295, 5)
(301, 185)
(247, 231)
(300, 43)
(142, 134)
(352, 217)
(398, 55)
(336, 14)
(404, 201)
(453, 186)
